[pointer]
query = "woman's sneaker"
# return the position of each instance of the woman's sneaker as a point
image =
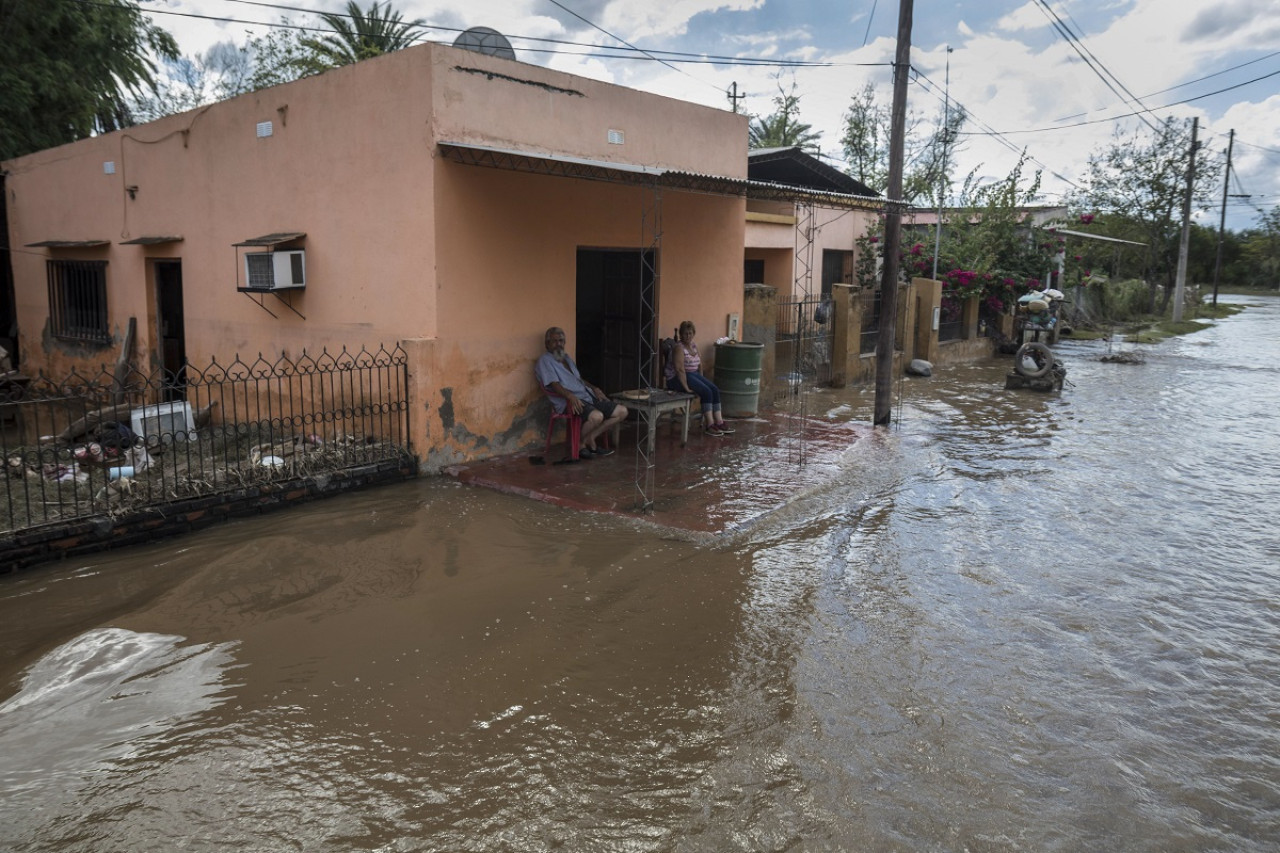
(713, 431)
(724, 428)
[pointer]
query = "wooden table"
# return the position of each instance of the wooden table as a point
(655, 403)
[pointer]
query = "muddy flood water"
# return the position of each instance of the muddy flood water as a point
(1020, 622)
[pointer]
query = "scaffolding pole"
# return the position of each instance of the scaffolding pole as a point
(647, 361)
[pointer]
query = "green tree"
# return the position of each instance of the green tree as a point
(225, 70)
(783, 128)
(1261, 252)
(358, 35)
(928, 152)
(1136, 185)
(69, 69)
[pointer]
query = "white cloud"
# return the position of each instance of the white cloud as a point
(662, 19)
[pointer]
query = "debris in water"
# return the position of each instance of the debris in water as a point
(1123, 358)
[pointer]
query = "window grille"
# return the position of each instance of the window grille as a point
(78, 300)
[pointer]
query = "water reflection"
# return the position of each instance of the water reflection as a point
(1018, 622)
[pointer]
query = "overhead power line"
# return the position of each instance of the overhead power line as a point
(1133, 114)
(1104, 74)
(1192, 82)
(630, 54)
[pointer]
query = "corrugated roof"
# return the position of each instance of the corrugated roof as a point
(794, 166)
(560, 165)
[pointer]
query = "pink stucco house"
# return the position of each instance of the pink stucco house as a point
(451, 203)
(804, 244)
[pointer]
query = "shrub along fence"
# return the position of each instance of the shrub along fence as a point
(130, 451)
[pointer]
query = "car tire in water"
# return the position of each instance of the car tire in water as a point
(1028, 352)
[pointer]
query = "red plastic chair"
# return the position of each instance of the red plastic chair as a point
(573, 426)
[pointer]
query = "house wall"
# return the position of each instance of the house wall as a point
(483, 100)
(507, 271)
(464, 266)
(772, 235)
(361, 197)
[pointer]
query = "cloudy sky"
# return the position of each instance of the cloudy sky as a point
(1024, 83)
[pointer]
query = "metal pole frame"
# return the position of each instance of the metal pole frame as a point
(647, 363)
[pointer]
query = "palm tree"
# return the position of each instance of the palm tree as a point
(361, 34)
(783, 129)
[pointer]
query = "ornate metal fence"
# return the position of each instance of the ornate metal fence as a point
(124, 441)
(803, 342)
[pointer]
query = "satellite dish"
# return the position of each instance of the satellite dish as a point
(485, 40)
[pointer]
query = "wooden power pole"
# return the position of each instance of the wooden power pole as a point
(893, 222)
(1222, 222)
(1180, 283)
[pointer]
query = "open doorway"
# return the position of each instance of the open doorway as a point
(173, 342)
(612, 316)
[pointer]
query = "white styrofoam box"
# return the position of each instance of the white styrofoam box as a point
(165, 422)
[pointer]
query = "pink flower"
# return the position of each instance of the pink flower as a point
(873, 239)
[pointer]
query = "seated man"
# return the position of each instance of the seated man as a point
(558, 374)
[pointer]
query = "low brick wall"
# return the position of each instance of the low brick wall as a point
(100, 533)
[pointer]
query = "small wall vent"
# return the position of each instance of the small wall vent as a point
(265, 129)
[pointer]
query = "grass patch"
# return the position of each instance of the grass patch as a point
(1167, 329)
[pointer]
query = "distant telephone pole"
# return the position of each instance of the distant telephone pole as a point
(893, 221)
(733, 95)
(1222, 223)
(1180, 283)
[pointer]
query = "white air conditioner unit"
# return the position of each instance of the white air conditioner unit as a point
(275, 270)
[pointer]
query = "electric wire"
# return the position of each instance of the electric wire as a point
(1092, 61)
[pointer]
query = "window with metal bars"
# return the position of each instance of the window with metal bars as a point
(78, 300)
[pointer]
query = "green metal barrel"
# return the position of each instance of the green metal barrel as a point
(738, 368)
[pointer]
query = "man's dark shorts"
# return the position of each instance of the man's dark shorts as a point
(604, 407)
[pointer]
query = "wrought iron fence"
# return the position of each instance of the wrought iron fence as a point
(872, 310)
(869, 335)
(951, 320)
(803, 340)
(113, 442)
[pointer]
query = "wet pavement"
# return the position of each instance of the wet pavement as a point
(712, 485)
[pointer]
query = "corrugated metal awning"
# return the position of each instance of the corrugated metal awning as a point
(1089, 236)
(564, 166)
(68, 244)
(150, 241)
(272, 239)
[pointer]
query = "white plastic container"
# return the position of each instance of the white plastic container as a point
(165, 422)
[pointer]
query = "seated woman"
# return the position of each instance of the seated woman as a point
(683, 373)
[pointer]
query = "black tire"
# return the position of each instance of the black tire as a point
(1045, 361)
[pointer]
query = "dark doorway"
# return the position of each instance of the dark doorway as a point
(173, 343)
(610, 317)
(837, 268)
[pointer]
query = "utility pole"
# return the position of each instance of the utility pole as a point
(893, 221)
(1180, 283)
(733, 95)
(942, 176)
(1222, 223)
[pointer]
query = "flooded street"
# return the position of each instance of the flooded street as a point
(1021, 622)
